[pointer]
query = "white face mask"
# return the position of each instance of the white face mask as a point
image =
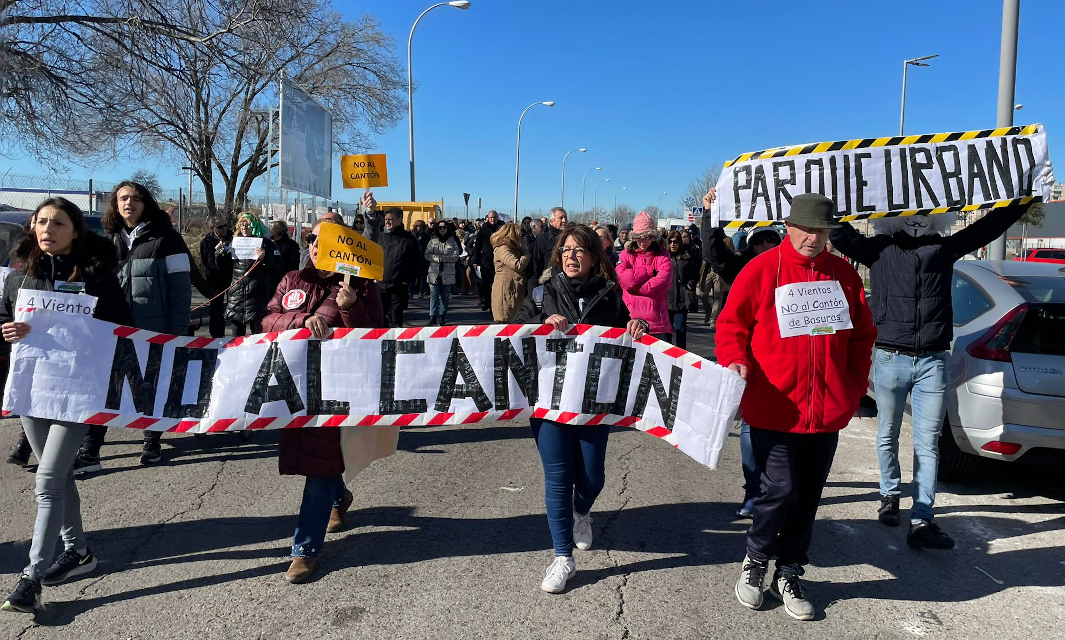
(917, 226)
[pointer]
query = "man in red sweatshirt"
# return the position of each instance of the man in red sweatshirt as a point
(798, 329)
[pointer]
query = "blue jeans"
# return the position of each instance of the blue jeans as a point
(752, 473)
(439, 295)
(320, 495)
(679, 319)
(924, 379)
(574, 459)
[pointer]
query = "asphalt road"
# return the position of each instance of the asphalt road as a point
(448, 539)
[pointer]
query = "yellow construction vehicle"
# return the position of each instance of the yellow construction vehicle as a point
(428, 212)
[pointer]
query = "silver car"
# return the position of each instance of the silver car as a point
(1006, 392)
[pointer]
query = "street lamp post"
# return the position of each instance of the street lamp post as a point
(584, 182)
(458, 4)
(562, 200)
(616, 203)
(905, 66)
(517, 159)
(1007, 87)
(595, 193)
(660, 202)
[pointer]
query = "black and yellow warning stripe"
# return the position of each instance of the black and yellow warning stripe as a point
(846, 145)
(748, 224)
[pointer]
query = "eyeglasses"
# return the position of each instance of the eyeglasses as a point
(221, 226)
(360, 223)
(576, 252)
(312, 238)
(674, 242)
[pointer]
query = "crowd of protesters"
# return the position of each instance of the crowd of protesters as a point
(641, 278)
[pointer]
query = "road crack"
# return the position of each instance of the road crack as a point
(155, 530)
(608, 524)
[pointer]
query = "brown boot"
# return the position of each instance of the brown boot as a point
(336, 518)
(300, 570)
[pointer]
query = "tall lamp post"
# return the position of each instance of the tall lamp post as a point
(660, 201)
(562, 200)
(517, 160)
(458, 4)
(1007, 87)
(584, 182)
(905, 66)
(595, 193)
(616, 203)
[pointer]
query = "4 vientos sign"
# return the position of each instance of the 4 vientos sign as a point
(85, 370)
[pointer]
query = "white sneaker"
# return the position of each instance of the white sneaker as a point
(561, 570)
(582, 531)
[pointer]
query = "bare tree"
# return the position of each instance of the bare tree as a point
(655, 212)
(196, 80)
(699, 185)
(623, 214)
(148, 180)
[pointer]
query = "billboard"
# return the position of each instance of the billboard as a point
(306, 149)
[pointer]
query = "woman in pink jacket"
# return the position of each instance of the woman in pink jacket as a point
(645, 273)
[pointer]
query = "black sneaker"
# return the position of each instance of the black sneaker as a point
(151, 453)
(20, 453)
(888, 513)
(26, 598)
(68, 565)
(85, 462)
(927, 535)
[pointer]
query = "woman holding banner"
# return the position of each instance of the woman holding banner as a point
(58, 253)
(579, 286)
(319, 301)
(253, 279)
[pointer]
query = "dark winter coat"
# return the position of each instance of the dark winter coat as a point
(248, 296)
(402, 259)
(98, 274)
(155, 274)
(681, 296)
(316, 451)
(545, 244)
(911, 278)
(485, 251)
(559, 294)
(290, 253)
(218, 267)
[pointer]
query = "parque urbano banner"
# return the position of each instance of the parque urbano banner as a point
(890, 176)
(76, 368)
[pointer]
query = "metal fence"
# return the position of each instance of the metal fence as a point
(27, 191)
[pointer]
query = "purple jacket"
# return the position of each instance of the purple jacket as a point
(645, 277)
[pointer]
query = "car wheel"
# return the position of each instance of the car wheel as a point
(954, 464)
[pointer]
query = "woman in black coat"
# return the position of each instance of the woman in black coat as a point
(681, 299)
(579, 286)
(254, 280)
(58, 253)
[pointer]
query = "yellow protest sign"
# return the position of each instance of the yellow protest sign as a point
(341, 250)
(363, 172)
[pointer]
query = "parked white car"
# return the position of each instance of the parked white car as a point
(1006, 391)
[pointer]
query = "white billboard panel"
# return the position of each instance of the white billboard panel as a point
(306, 144)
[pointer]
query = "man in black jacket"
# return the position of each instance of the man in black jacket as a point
(402, 261)
(218, 267)
(911, 267)
(545, 242)
(486, 257)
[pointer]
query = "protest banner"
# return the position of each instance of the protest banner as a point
(887, 177)
(364, 171)
(29, 300)
(81, 369)
(345, 251)
(244, 247)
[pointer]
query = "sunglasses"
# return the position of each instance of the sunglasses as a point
(221, 226)
(312, 238)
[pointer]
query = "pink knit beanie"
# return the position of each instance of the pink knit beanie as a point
(643, 227)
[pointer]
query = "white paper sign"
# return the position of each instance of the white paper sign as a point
(812, 309)
(4, 273)
(75, 304)
(244, 248)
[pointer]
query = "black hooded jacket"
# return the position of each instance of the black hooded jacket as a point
(911, 278)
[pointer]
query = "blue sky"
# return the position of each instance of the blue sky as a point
(659, 90)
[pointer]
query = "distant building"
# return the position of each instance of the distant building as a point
(1056, 192)
(1050, 234)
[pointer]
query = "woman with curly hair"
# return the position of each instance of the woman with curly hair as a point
(254, 279)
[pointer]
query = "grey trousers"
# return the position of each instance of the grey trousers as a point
(58, 504)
